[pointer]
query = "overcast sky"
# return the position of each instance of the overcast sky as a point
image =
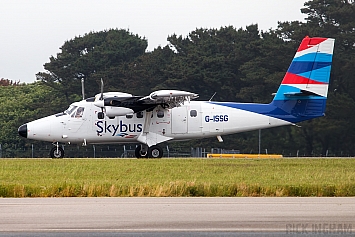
(33, 30)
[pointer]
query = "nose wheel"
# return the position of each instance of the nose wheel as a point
(57, 152)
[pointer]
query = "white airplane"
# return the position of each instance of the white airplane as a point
(167, 115)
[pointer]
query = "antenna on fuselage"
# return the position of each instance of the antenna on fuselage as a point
(82, 88)
(212, 96)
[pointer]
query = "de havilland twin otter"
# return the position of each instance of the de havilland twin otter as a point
(167, 115)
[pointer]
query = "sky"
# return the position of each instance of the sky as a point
(33, 31)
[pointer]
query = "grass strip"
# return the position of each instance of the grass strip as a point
(177, 177)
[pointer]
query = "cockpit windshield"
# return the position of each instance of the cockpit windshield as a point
(79, 113)
(70, 109)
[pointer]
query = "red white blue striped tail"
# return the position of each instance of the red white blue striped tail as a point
(304, 89)
(309, 71)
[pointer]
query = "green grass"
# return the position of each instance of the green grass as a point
(176, 177)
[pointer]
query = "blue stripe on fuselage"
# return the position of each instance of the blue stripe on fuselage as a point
(289, 110)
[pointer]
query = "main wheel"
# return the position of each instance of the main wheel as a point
(155, 152)
(138, 152)
(57, 153)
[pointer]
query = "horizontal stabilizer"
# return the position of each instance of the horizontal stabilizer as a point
(302, 93)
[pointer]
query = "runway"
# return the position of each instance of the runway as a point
(176, 216)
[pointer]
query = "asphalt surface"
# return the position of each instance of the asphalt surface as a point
(177, 216)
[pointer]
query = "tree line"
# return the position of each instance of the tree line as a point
(238, 64)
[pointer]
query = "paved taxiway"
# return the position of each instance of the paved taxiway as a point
(176, 215)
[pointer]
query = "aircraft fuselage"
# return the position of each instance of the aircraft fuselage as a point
(194, 119)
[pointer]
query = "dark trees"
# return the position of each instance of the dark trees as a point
(92, 56)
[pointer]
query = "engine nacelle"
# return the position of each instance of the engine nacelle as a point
(117, 111)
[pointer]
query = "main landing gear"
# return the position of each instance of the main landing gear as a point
(56, 152)
(143, 151)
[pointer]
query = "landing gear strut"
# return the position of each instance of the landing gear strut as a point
(143, 151)
(56, 152)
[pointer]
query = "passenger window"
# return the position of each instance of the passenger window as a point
(79, 113)
(140, 114)
(160, 113)
(193, 113)
(129, 116)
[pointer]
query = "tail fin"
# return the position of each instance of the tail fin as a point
(304, 89)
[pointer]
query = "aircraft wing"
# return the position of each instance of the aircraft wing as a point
(168, 98)
(165, 98)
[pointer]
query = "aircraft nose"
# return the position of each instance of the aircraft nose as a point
(22, 130)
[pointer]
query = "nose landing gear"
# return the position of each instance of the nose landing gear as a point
(56, 152)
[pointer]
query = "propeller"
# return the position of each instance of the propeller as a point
(82, 88)
(102, 90)
(100, 103)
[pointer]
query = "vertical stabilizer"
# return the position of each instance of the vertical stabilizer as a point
(304, 89)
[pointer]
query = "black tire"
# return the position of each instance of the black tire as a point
(155, 152)
(57, 154)
(138, 153)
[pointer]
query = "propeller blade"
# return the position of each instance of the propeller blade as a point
(102, 90)
(102, 102)
(82, 88)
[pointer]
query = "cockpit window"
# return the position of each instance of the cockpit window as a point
(79, 113)
(70, 109)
